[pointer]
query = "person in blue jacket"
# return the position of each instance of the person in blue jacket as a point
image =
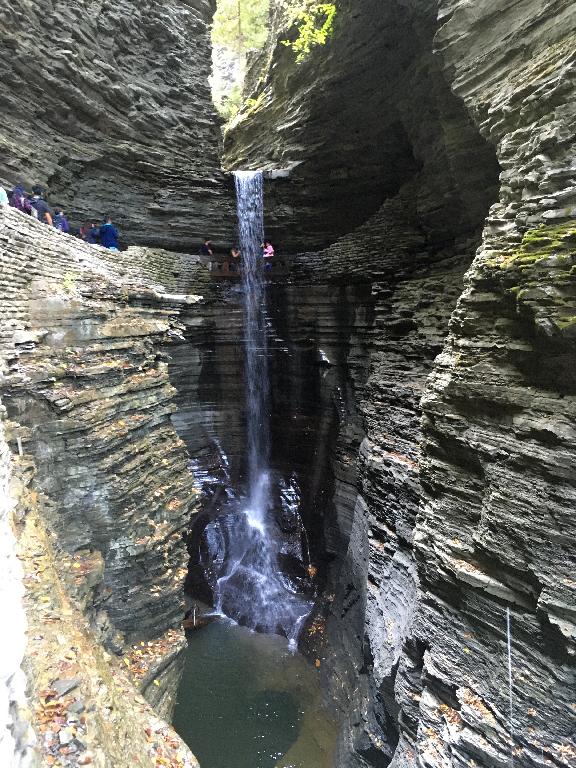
(60, 221)
(90, 233)
(109, 235)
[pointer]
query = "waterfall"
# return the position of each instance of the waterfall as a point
(246, 540)
(250, 199)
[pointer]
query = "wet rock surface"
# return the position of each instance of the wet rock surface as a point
(88, 390)
(309, 328)
(494, 532)
(436, 492)
(85, 708)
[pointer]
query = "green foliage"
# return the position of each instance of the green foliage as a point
(315, 27)
(241, 24)
(252, 105)
(231, 102)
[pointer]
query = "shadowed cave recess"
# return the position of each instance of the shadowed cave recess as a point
(419, 358)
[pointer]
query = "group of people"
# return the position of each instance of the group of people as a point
(235, 256)
(104, 234)
(35, 205)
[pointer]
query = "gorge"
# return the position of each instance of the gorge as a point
(415, 364)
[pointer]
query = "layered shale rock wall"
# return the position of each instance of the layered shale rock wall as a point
(456, 506)
(315, 331)
(496, 529)
(102, 482)
(108, 106)
(352, 145)
(423, 390)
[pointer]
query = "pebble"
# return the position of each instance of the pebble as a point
(77, 707)
(64, 685)
(66, 735)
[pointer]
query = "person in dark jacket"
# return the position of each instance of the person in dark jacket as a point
(109, 235)
(206, 247)
(235, 259)
(92, 235)
(85, 231)
(60, 221)
(19, 200)
(43, 212)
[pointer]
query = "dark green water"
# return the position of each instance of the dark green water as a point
(247, 701)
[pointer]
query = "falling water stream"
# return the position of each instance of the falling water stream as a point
(251, 587)
(248, 699)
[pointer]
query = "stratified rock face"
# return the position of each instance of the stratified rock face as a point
(373, 581)
(89, 397)
(360, 118)
(102, 490)
(433, 545)
(496, 530)
(16, 747)
(107, 105)
(312, 329)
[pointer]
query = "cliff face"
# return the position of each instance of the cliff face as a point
(311, 327)
(496, 528)
(101, 483)
(359, 119)
(455, 507)
(108, 106)
(422, 365)
(17, 743)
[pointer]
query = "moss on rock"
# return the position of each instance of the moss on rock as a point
(543, 242)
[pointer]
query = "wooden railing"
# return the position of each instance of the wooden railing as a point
(227, 268)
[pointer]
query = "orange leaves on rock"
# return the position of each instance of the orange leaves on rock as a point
(50, 711)
(143, 657)
(567, 751)
(318, 627)
(47, 693)
(475, 703)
